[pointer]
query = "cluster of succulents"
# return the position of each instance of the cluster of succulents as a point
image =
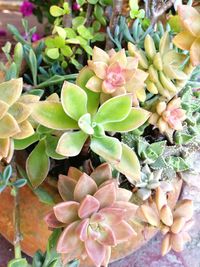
(129, 112)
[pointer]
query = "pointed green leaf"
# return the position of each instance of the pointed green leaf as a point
(135, 119)
(93, 98)
(129, 164)
(74, 100)
(109, 148)
(37, 164)
(52, 115)
(26, 142)
(114, 110)
(51, 145)
(71, 143)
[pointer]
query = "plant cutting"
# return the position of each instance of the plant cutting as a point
(97, 128)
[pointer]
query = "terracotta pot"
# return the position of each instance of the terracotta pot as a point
(36, 233)
(32, 212)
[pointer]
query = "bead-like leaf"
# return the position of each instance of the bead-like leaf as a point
(71, 143)
(135, 119)
(37, 164)
(74, 100)
(107, 147)
(129, 164)
(114, 110)
(52, 115)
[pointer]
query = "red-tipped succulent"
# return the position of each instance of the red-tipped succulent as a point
(95, 213)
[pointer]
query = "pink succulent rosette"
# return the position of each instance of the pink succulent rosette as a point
(189, 37)
(96, 215)
(169, 116)
(116, 74)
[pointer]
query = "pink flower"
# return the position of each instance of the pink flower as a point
(75, 6)
(26, 8)
(96, 214)
(36, 37)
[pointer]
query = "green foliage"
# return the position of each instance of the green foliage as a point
(38, 162)
(7, 181)
(135, 11)
(51, 258)
(93, 126)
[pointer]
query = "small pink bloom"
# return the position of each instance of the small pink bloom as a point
(36, 37)
(76, 6)
(26, 8)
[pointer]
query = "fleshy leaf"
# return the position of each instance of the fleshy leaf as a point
(10, 91)
(85, 124)
(71, 143)
(37, 164)
(26, 130)
(8, 126)
(135, 119)
(51, 144)
(20, 111)
(129, 164)
(52, 115)
(114, 110)
(107, 147)
(74, 100)
(24, 143)
(93, 98)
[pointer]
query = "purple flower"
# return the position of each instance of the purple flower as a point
(36, 37)
(26, 8)
(75, 6)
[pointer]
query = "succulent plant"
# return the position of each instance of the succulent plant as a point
(189, 37)
(116, 74)
(165, 76)
(169, 116)
(149, 180)
(174, 224)
(14, 116)
(76, 112)
(95, 214)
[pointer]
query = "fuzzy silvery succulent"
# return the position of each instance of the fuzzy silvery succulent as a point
(149, 180)
(95, 213)
(163, 66)
(77, 111)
